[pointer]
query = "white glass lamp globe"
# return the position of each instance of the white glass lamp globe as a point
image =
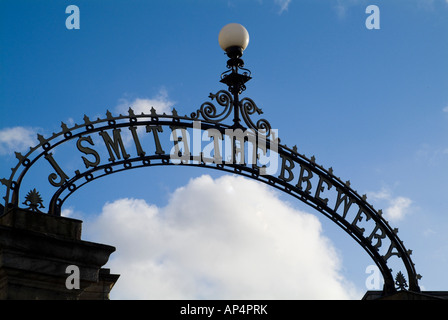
(233, 35)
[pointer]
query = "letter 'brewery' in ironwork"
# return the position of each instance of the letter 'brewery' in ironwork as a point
(251, 149)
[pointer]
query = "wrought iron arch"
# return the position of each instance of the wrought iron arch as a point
(299, 184)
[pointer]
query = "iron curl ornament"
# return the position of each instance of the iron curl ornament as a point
(208, 110)
(246, 107)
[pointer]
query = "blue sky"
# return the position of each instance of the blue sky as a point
(371, 104)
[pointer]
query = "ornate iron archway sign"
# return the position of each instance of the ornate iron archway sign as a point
(252, 150)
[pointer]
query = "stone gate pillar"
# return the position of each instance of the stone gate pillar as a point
(35, 251)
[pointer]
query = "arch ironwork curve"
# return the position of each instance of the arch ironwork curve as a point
(300, 185)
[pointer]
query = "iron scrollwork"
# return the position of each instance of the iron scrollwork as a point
(208, 110)
(246, 107)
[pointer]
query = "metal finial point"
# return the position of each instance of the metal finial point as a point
(34, 200)
(400, 281)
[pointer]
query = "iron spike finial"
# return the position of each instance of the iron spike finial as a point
(400, 281)
(41, 138)
(87, 120)
(109, 115)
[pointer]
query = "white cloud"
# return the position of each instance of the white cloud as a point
(160, 102)
(397, 207)
(446, 108)
(340, 10)
(229, 238)
(17, 139)
(429, 4)
(342, 6)
(283, 4)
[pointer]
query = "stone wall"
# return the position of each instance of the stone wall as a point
(35, 251)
